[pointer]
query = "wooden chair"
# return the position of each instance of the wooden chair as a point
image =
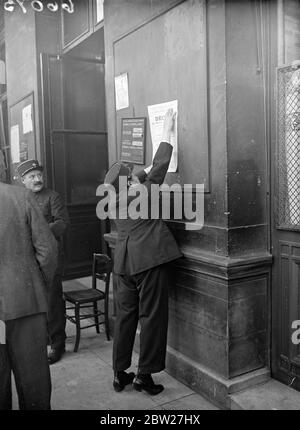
(89, 298)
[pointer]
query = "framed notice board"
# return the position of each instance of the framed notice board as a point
(22, 130)
(133, 140)
(188, 85)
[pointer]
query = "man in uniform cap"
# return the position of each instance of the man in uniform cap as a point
(143, 249)
(55, 213)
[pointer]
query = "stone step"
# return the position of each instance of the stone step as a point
(271, 395)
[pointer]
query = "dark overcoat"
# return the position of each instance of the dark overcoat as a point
(54, 210)
(28, 254)
(145, 243)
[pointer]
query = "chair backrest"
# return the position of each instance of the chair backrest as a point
(102, 267)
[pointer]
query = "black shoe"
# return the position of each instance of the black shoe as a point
(144, 381)
(55, 354)
(121, 379)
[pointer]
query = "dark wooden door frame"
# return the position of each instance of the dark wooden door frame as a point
(48, 133)
(46, 109)
(282, 367)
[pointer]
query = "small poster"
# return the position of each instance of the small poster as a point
(156, 117)
(133, 140)
(121, 89)
(27, 119)
(15, 144)
(2, 333)
(99, 10)
(23, 151)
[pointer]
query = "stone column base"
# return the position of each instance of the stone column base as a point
(216, 389)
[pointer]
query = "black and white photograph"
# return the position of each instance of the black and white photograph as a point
(149, 209)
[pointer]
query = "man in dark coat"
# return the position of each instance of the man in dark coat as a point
(143, 249)
(27, 265)
(56, 215)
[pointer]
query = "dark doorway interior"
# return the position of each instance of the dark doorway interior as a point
(76, 143)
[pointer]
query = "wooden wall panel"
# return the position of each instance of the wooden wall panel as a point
(289, 306)
(166, 60)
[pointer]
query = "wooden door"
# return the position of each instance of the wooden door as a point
(76, 149)
(286, 228)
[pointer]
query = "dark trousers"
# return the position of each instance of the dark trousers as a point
(143, 298)
(25, 354)
(56, 314)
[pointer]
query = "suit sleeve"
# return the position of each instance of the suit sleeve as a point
(43, 241)
(60, 217)
(161, 163)
(142, 175)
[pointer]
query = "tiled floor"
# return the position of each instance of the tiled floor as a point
(83, 380)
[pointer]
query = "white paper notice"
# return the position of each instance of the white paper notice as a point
(2, 332)
(15, 144)
(156, 119)
(121, 89)
(27, 119)
(99, 10)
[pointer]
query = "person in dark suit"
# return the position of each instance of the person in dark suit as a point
(56, 215)
(143, 249)
(27, 265)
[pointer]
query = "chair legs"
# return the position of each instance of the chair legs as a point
(96, 317)
(106, 317)
(77, 319)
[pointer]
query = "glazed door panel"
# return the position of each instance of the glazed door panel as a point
(76, 150)
(286, 228)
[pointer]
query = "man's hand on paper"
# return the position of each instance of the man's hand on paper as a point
(168, 128)
(147, 169)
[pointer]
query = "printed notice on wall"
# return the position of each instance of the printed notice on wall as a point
(121, 89)
(99, 10)
(2, 324)
(27, 119)
(15, 144)
(133, 140)
(156, 119)
(2, 332)
(23, 151)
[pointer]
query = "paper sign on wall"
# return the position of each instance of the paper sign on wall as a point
(121, 89)
(27, 119)
(2, 332)
(156, 119)
(23, 151)
(99, 10)
(15, 144)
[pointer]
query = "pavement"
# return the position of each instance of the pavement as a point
(83, 380)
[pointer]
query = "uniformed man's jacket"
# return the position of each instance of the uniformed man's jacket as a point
(56, 215)
(146, 243)
(28, 254)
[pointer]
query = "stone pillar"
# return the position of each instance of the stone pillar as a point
(219, 331)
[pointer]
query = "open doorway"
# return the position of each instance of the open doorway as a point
(76, 143)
